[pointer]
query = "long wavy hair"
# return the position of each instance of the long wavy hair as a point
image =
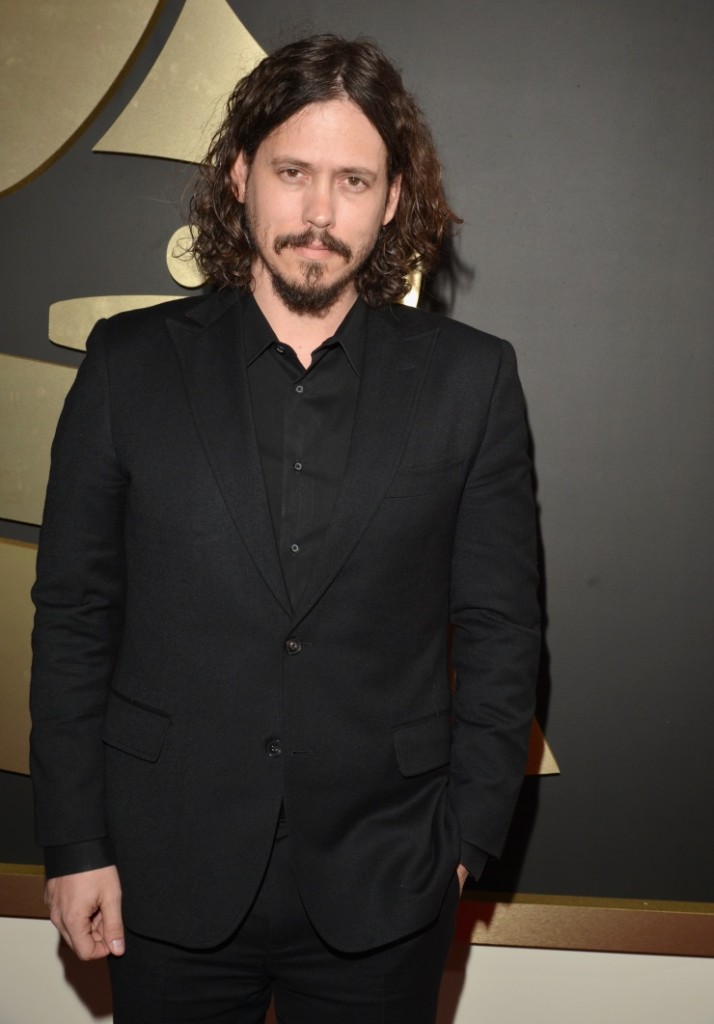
(314, 70)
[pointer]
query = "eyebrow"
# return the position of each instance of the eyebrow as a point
(363, 172)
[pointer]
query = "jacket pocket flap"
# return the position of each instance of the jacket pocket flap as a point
(135, 728)
(424, 745)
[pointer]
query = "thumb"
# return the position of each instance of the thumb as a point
(112, 927)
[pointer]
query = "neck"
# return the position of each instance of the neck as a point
(304, 332)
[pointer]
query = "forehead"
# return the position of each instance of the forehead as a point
(335, 129)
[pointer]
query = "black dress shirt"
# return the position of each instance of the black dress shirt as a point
(303, 423)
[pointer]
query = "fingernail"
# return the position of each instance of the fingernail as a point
(117, 946)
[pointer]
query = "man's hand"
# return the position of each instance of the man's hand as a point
(86, 910)
(462, 873)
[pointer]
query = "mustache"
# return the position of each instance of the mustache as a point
(310, 237)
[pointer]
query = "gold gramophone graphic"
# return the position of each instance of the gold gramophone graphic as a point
(76, 54)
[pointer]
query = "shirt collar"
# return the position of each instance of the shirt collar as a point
(258, 335)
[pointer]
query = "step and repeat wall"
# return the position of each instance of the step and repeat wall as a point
(578, 147)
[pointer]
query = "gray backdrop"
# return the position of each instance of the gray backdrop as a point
(577, 138)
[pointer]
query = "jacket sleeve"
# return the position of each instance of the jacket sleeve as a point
(79, 598)
(495, 615)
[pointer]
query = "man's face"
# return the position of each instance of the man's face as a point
(316, 197)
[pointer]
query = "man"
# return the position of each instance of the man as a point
(266, 509)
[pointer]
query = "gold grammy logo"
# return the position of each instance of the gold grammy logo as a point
(58, 64)
(59, 61)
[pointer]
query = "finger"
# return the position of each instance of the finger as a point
(79, 936)
(57, 918)
(97, 927)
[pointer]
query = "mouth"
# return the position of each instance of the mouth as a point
(312, 246)
(314, 252)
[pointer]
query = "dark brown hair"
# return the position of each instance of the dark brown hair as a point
(314, 70)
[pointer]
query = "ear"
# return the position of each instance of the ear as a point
(239, 176)
(392, 199)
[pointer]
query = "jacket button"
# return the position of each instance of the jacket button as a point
(293, 645)
(273, 748)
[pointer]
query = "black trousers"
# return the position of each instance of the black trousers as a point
(276, 952)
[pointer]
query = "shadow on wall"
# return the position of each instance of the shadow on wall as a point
(90, 981)
(451, 276)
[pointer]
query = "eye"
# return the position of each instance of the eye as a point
(355, 183)
(291, 173)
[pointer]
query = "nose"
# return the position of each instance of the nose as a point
(319, 207)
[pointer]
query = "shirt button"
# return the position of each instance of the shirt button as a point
(299, 388)
(294, 548)
(280, 349)
(293, 645)
(273, 748)
(297, 466)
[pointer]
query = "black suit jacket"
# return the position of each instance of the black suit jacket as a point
(178, 698)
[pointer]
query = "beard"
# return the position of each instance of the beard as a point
(308, 294)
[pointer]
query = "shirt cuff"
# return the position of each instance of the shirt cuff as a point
(74, 857)
(474, 858)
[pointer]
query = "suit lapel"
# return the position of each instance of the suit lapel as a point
(208, 343)
(394, 368)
